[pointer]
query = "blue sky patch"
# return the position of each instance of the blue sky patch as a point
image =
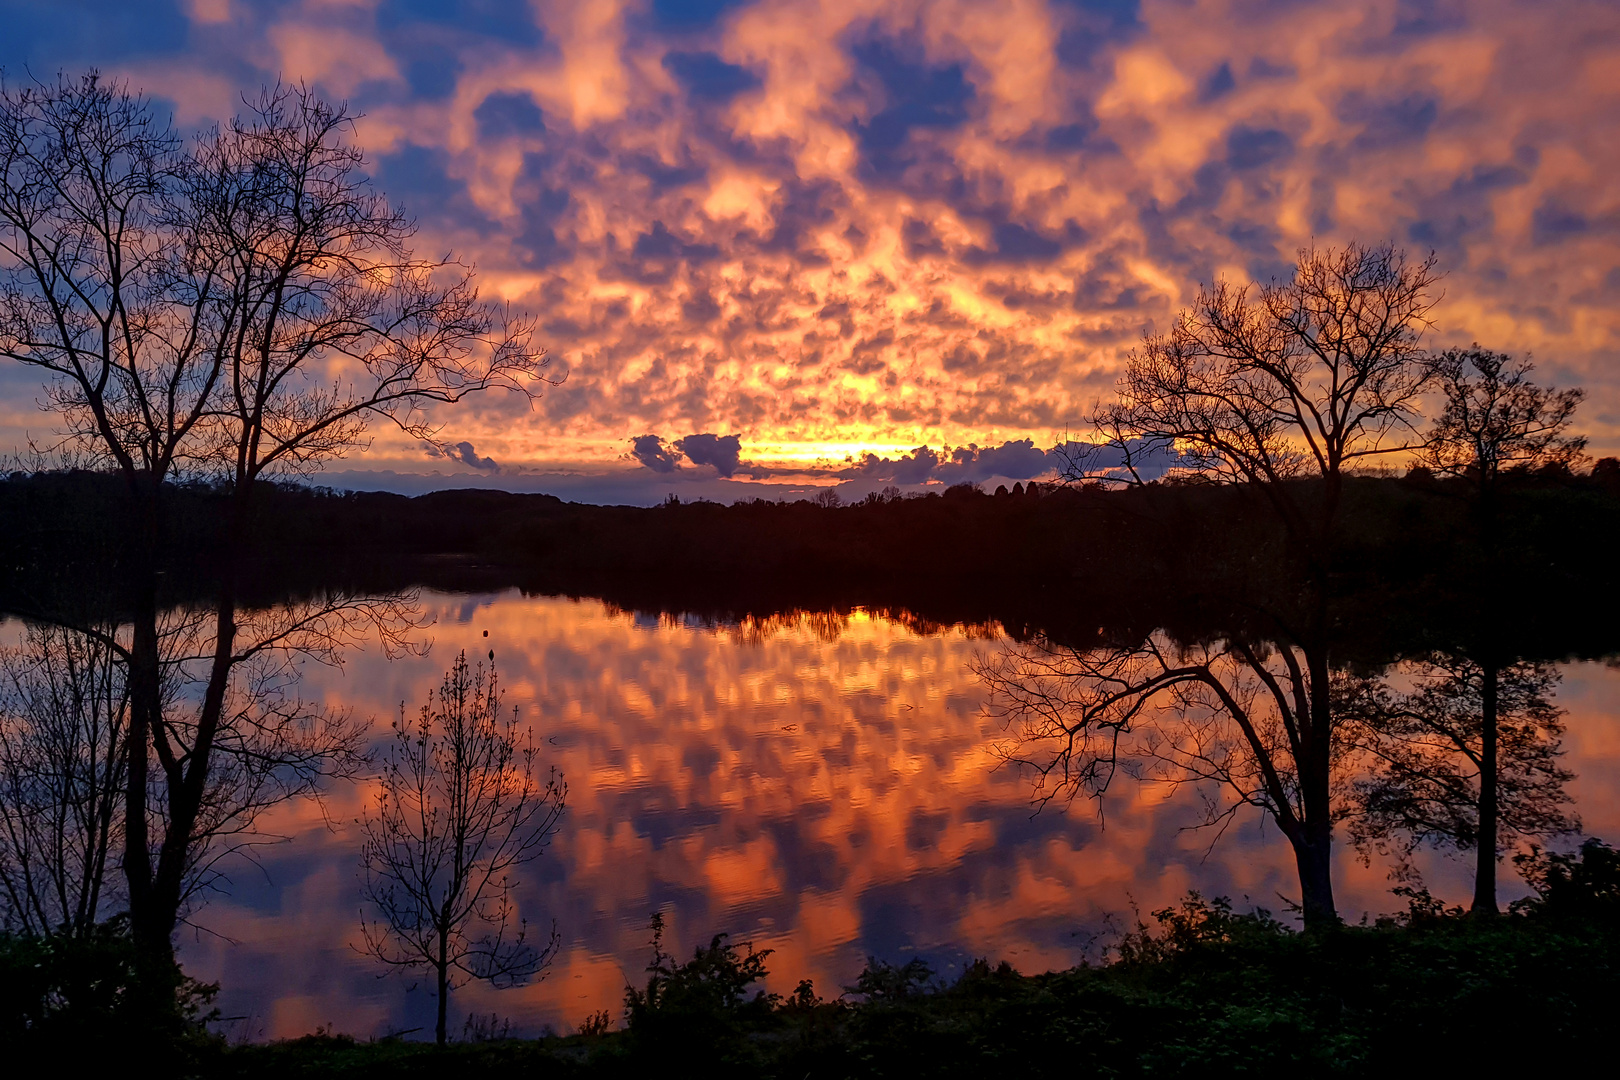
(707, 77)
(507, 114)
(915, 95)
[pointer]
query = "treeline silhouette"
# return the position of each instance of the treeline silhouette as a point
(1059, 560)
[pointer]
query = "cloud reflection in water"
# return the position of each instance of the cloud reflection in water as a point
(821, 785)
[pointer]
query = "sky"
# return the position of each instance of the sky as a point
(800, 242)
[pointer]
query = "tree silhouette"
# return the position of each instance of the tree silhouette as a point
(1431, 766)
(458, 810)
(1495, 420)
(63, 721)
(1265, 389)
(229, 309)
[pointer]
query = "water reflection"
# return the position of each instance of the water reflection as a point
(822, 785)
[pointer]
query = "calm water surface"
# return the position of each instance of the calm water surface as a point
(825, 787)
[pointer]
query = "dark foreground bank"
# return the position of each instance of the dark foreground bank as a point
(1205, 991)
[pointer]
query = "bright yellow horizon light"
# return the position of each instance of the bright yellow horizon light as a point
(823, 451)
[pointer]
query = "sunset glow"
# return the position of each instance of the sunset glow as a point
(809, 537)
(838, 227)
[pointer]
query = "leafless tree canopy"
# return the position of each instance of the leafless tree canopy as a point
(63, 721)
(1494, 418)
(234, 306)
(458, 810)
(228, 308)
(88, 258)
(323, 318)
(1304, 377)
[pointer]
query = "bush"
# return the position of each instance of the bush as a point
(700, 1012)
(1582, 885)
(94, 996)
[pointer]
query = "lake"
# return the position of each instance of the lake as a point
(825, 786)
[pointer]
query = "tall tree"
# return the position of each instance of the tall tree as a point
(229, 309)
(1280, 391)
(1495, 420)
(458, 810)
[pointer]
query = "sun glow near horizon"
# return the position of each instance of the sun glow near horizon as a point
(835, 230)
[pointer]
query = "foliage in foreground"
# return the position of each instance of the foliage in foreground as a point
(93, 997)
(1207, 991)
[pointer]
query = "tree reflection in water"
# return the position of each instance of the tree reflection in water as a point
(823, 786)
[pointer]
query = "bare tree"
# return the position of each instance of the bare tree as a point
(270, 745)
(1229, 711)
(1280, 391)
(227, 310)
(64, 717)
(1305, 378)
(1495, 420)
(1432, 744)
(63, 721)
(458, 810)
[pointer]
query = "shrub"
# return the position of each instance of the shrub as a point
(1585, 884)
(700, 1011)
(93, 995)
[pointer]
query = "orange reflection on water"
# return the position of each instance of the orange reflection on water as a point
(821, 785)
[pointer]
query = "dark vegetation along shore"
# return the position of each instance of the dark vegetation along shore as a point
(1056, 559)
(1203, 991)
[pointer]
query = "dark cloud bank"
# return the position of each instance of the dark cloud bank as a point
(462, 453)
(1016, 459)
(722, 453)
(705, 465)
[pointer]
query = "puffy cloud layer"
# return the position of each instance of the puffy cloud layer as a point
(841, 227)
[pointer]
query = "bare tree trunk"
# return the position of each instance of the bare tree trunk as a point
(1485, 868)
(187, 792)
(1313, 855)
(145, 714)
(1314, 852)
(443, 966)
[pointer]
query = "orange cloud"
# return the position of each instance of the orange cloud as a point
(892, 223)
